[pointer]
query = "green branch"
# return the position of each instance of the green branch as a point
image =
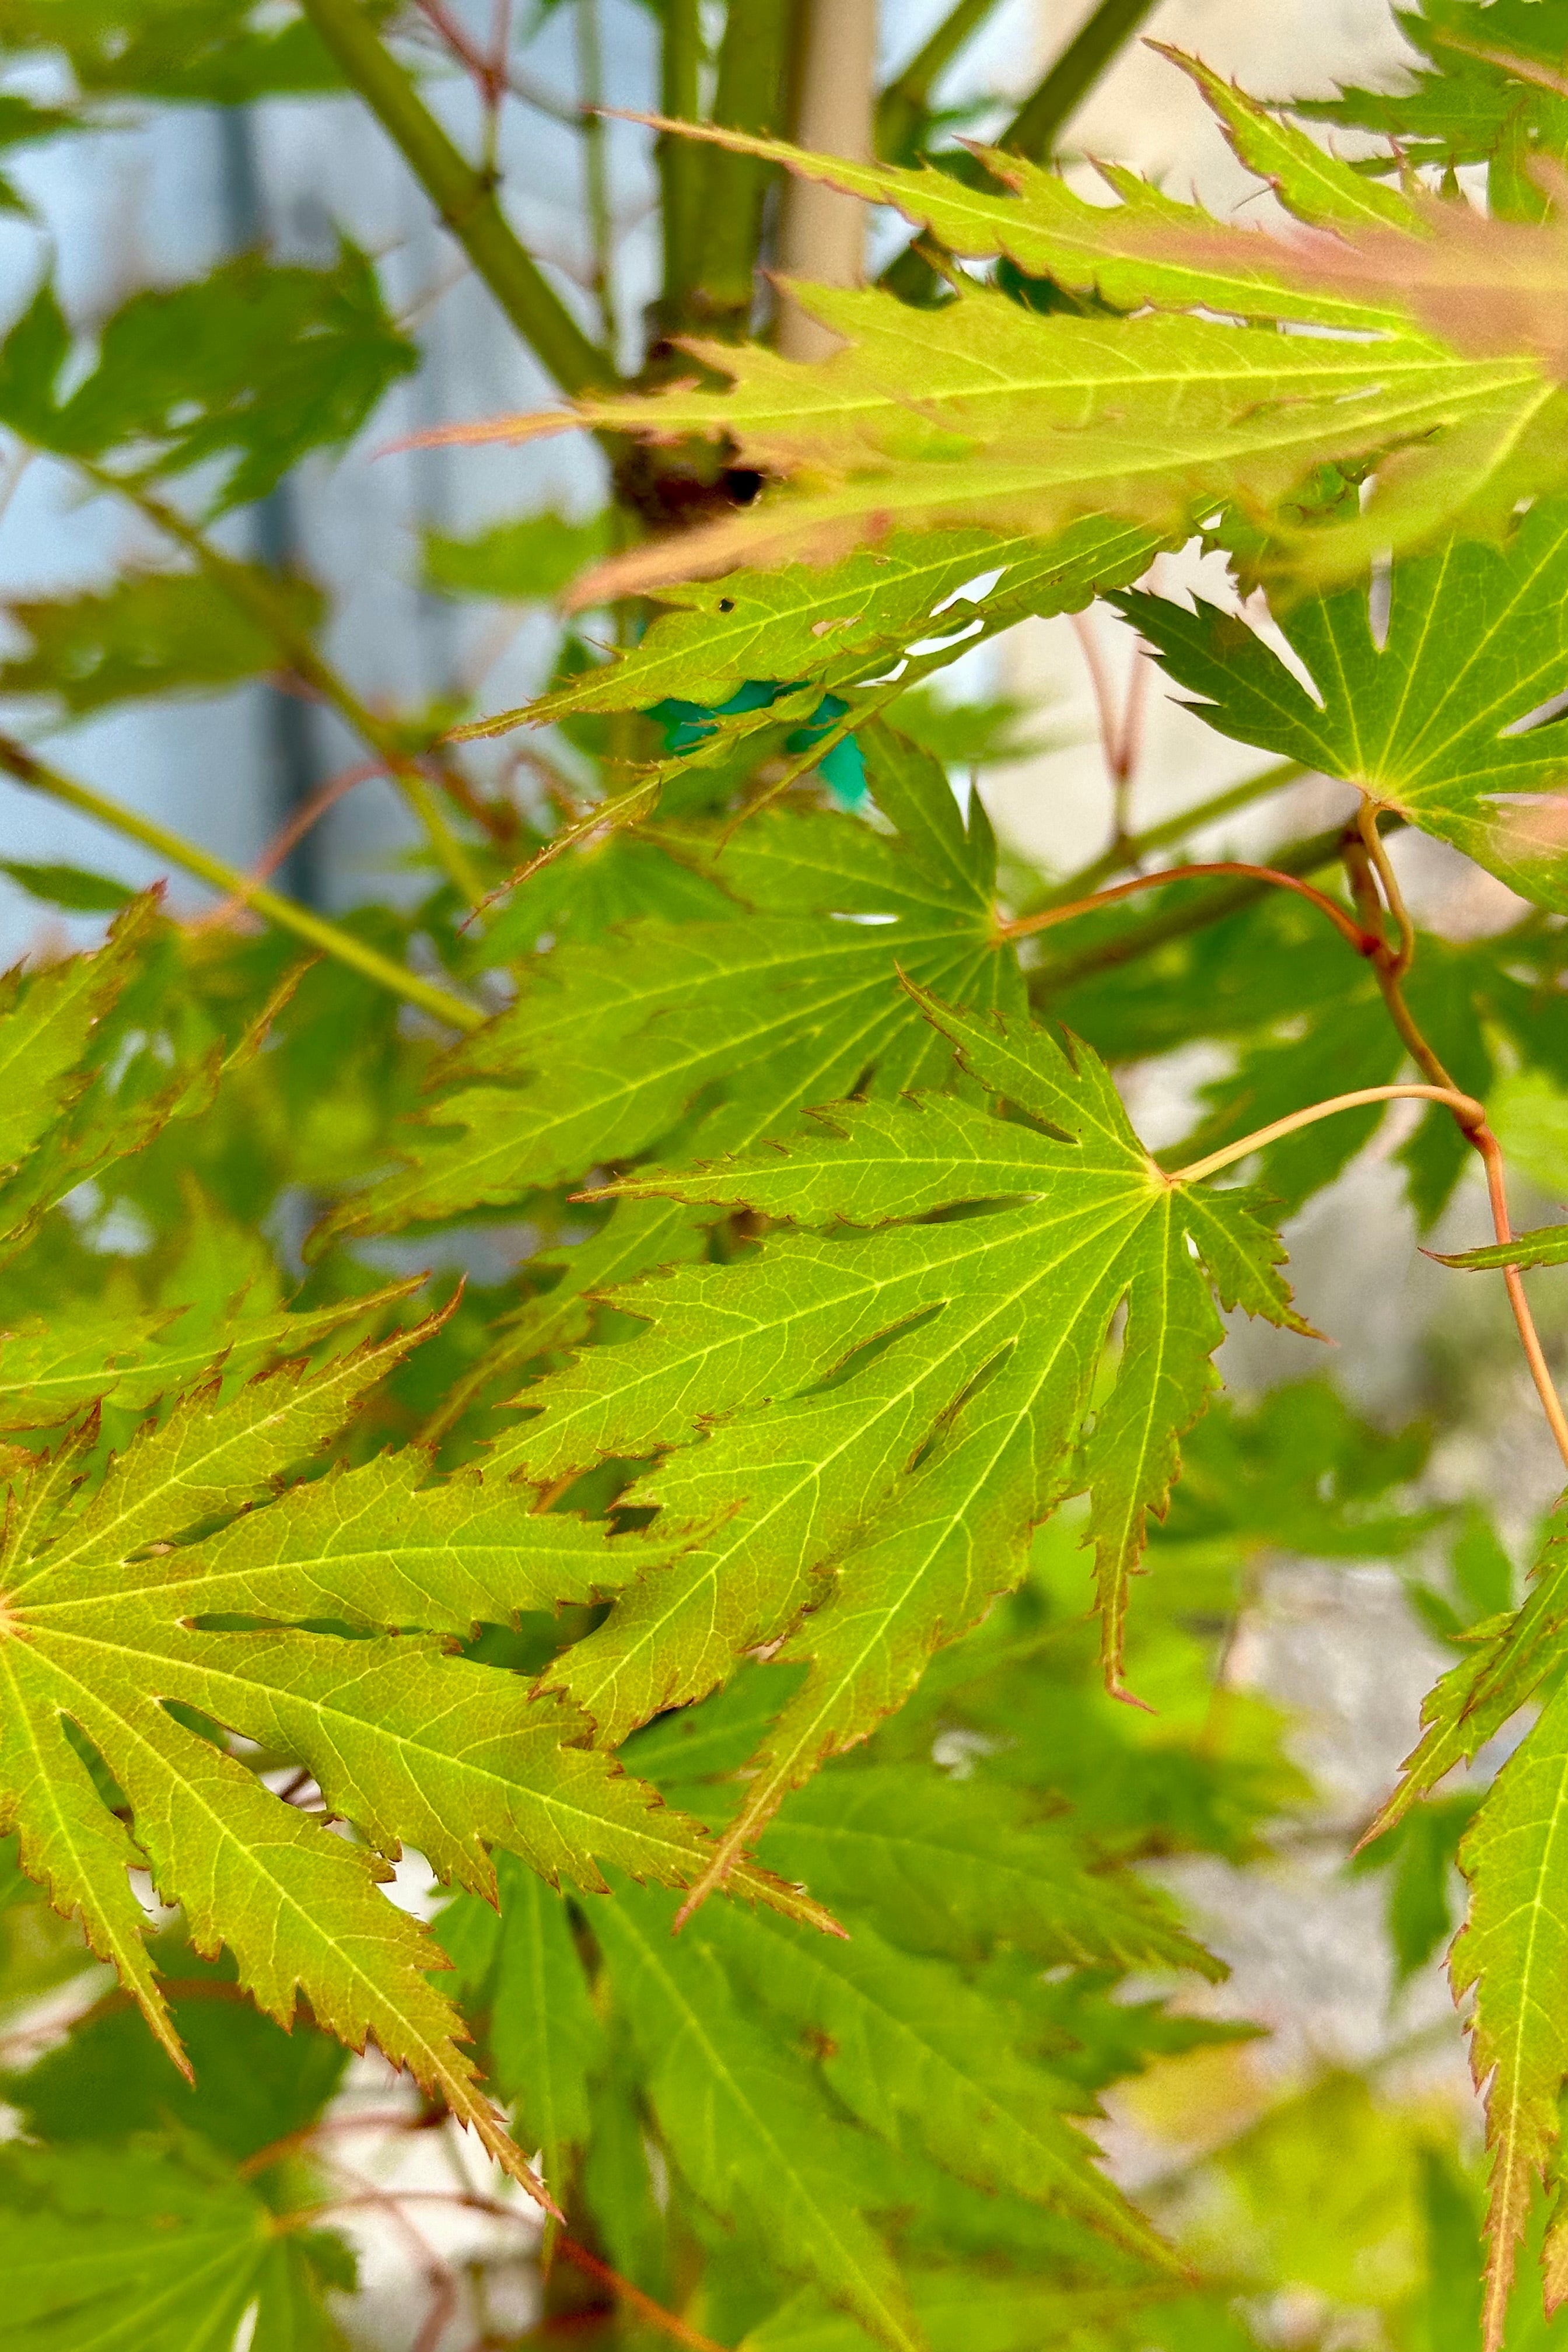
(1033, 129)
(681, 162)
(327, 938)
(261, 600)
(749, 96)
(907, 96)
(911, 275)
(1137, 846)
(601, 214)
(465, 198)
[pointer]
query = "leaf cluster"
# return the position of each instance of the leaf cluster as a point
(657, 1382)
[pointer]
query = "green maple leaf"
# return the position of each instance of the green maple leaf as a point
(52, 1366)
(46, 1022)
(202, 52)
(547, 2041)
(954, 1866)
(840, 625)
(1511, 1655)
(1127, 255)
(528, 561)
(943, 1865)
(983, 412)
(151, 633)
(888, 1416)
(1464, 104)
(62, 1118)
(1513, 1951)
(155, 2253)
(979, 412)
(781, 1003)
(1432, 721)
(1548, 1246)
(109, 1624)
(252, 367)
(747, 2125)
(965, 2310)
(918, 2055)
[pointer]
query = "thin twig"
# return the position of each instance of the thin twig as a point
(1202, 910)
(463, 196)
(1104, 694)
(287, 838)
(519, 83)
(670, 2322)
(278, 2151)
(1366, 856)
(1120, 732)
(345, 946)
(467, 53)
(1365, 942)
(442, 2280)
(1138, 845)
(601, 219)
(500, 42)
(262, 601)
(1366, 826)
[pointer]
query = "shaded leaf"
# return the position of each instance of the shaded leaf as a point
(153, 632)
(202, 52)
(746, 2122)
(547, 2042)
(251, 367)
(918, 2056)
(528, 561)
(151, 2253)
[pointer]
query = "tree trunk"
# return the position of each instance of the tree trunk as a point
(822, 235)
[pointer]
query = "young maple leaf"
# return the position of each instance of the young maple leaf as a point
(1507, 1659)
(982, 413)
(107, 1635)
(790, 997)
(1513, 1951)
(885, 1417)
(46, 1023)
(839, 627)
(1447, 720)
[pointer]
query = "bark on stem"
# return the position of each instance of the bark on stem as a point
(822, 233)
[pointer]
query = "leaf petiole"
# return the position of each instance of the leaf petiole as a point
(1365, 942)
(1471, 1116)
